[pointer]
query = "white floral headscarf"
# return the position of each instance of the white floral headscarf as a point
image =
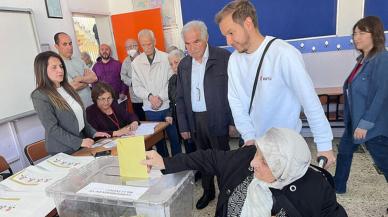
(288, 156)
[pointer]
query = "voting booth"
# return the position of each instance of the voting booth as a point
(98, 190)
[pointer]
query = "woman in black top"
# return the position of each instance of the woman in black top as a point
(273, 178)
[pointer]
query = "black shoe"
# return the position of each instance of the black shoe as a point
(204, 200)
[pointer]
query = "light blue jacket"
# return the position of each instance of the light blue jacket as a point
(366, 98)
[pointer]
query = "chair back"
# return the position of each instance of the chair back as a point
(35, 151)
(4, 165)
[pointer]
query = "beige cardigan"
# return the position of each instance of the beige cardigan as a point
(151, 79)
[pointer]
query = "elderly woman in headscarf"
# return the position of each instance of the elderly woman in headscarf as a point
(273, 178)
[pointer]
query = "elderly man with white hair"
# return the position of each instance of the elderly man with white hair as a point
(151, 71)
(201, 100)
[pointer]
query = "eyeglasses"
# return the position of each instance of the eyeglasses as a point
(131, 46)
(109, 99)
(360, 33)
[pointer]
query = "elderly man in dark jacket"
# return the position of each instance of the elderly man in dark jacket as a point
(202, 105)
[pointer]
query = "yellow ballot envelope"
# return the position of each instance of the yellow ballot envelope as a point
(131, 151)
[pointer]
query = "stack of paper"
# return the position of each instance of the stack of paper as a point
(26, 204)
(63, 162)
(146, 129)
(32, 179)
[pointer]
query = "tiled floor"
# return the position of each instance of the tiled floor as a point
(367, 194)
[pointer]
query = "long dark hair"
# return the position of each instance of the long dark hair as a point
(373, 25)
(44, 84)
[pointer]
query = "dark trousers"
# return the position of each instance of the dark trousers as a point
(172, 133)
(187, 143)
(204, 140)
(138, 109)
(377, 147)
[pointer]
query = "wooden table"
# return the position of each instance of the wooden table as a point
(149, 140)
(331, 96)
(331, 91)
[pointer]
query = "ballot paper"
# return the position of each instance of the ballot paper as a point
(131, 151)
(119, 101)
(26, 204)
(32, 179)
(64, 162)
(101, 142)
(116, 191)
(146, 129)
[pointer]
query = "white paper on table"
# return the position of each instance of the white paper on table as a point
(122, 100)
(110, 144)
(64, 162)
(146, 129)
(32, 179)
(101, 142)
(117, 191)
(26, 204)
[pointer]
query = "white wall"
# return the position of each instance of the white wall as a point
(14, 136)
(348, 13)
(89, 6)
(120, 6)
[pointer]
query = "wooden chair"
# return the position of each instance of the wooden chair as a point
(3, 167)
(35, 151)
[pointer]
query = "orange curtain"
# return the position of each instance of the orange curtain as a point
(129, 24)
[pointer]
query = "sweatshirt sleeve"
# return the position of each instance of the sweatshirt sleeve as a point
(299, 82)
(240, 114)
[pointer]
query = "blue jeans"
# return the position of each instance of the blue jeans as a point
(171, 132)
(377, 147)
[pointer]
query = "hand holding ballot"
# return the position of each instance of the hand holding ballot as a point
(153, 160)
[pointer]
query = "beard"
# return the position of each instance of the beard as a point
(105, 56)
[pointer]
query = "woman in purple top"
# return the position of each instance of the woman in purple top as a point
(105, 114)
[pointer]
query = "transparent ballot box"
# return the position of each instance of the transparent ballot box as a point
(162, 195)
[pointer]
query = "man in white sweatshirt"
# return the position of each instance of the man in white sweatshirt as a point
(283, 86)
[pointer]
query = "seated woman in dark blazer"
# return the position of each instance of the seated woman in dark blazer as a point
(273, 178)
(106, 115)
(59, 107)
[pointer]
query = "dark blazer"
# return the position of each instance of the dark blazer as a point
(366, 98)
(101, 122)
(216, 93)
(172, 96)
(61, 126)
(313, 197)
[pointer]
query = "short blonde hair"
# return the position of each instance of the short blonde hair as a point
(240, 10)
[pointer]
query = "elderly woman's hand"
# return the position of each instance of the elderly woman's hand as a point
(133, 126)
(125, 131)
(102, 134)
(153, 160)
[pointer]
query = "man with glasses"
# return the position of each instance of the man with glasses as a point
(132, 50)
(202, 105)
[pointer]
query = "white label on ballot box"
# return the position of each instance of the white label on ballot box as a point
(117, 191)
